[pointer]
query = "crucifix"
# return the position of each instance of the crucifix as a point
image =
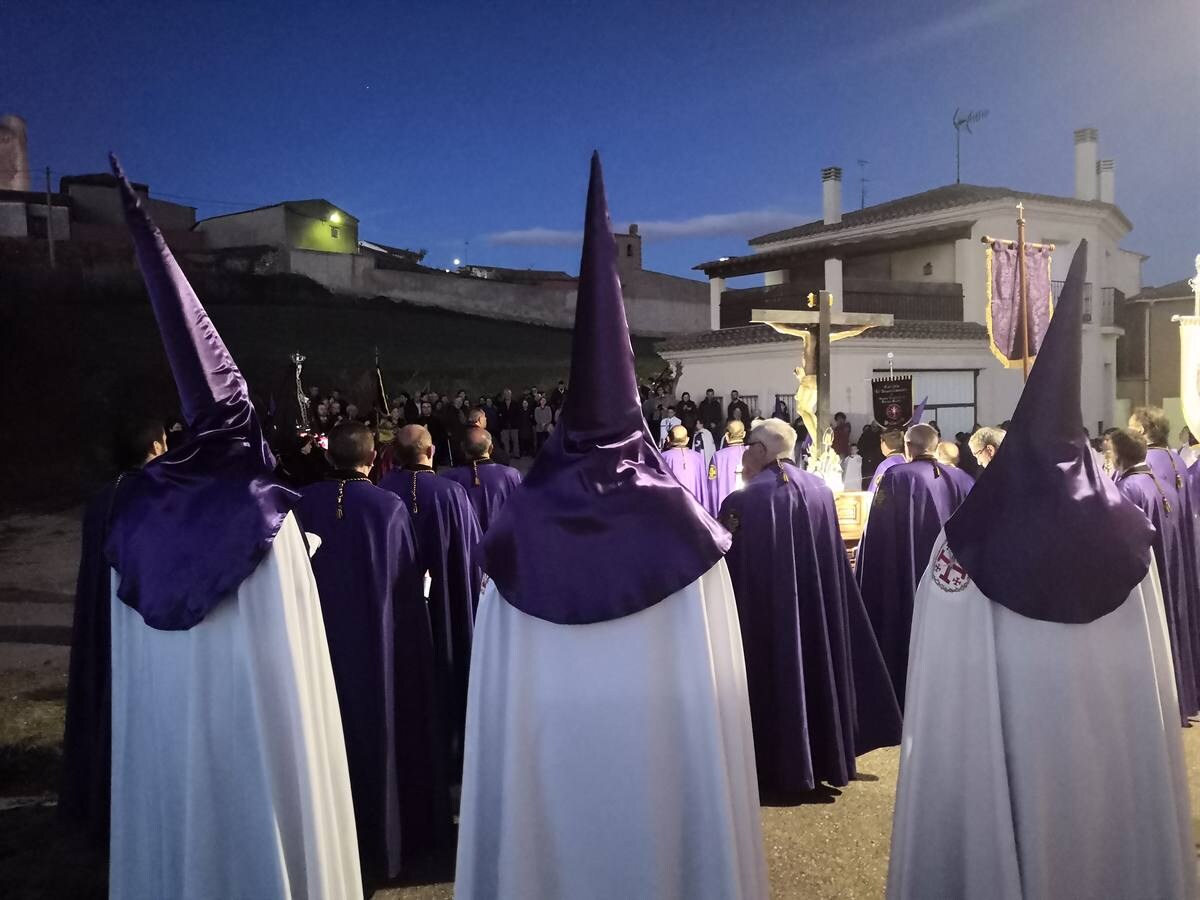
(818, 326)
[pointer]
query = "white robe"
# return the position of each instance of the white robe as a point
(1040, 760)
(707, 447)
(612, 760)
(229, 773)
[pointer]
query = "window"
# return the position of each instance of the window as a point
(928, 270)
(333, 231)
(629, 249)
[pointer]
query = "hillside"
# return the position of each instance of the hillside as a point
(79, 346)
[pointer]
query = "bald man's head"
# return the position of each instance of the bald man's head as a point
(920, 440)
(679, 436)
(735, 432)
(414, 446)
(477, 443)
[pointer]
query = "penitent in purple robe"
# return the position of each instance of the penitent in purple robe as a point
(488, 484)
(724, 476)
(447, 532)
(688, 466)
(889, 462)
(912, 502)
(1150, 495)
(820, 694)
(83, 798)
(381, 646)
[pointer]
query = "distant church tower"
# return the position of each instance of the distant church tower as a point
(629, 251)
(14, 154)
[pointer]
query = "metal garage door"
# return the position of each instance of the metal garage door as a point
(951, 394)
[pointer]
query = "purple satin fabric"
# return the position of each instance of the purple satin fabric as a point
(496, 483)
(381, 647)
(724, 477)
(909, 508)
(570, 544)
(820, 694)
(889, 462)
(1170, 554)
(1007, 334)
(194, 523)
(1045, 532)
(688, 466)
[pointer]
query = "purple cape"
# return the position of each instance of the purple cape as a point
(888, 462)
(599, 489)
(1045, 533)
(194, 523)
(496, 482)
(447, 534)
(911, 504)
(1151, 496)
(381, 647)
(688, 466)
(83, 797)
(819, 690)
(724, 476)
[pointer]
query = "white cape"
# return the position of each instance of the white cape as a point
(612, 760)
(1039, 760)
(229, 773)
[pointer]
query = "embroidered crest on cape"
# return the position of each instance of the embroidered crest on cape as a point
(947, 573)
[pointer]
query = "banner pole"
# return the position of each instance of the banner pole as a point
(1024, 291)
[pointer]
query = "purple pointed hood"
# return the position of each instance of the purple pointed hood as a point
(599, 529)
(918, 414)
(1044, 531)
(194, 523)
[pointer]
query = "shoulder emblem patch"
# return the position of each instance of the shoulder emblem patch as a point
(947, 573)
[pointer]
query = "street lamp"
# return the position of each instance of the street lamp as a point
(335, 218)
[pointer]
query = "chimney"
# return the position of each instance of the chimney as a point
(1086, 148)
(1106, 177)
(831, 190)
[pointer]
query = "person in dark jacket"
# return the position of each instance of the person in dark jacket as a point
(710, 413)
(736, 403)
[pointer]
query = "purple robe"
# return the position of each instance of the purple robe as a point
(820, 694)
(724, 476)
(688, 466)
(1149, 494)
(912, 502)
(447, 532)
(1172, 474)
(496, 482)
(83, 797)
(381, 647)
(889, 462)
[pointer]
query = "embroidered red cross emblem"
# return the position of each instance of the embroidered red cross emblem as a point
(947, 573)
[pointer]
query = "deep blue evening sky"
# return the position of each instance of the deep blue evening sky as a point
(442, 122)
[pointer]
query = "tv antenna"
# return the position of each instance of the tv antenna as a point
(862, 183)
(963, 120)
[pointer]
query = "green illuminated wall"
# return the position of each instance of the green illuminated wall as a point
(309, 227)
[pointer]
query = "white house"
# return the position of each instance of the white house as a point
(921, 259)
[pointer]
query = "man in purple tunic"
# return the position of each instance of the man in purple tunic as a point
(685, 464)
(912, 502)
(447, 531)
(1137, 481)
(892, 444)
(724, 475)
(381, 646)
(87, 739)
(487, 482)
(820, 694)
(1172, 474)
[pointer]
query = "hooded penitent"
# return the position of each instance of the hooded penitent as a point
(599, 486)
(1045, 487)
(192, 525)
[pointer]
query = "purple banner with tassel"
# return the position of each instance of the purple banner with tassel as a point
(1004, 301)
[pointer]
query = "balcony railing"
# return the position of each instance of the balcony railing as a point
(942, 302)
(1093, 313)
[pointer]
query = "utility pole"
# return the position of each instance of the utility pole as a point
(862, 183)
(49, 219)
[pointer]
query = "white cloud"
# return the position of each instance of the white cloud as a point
(945, 28)
(732, 225)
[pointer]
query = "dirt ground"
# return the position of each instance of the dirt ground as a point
(832, 844)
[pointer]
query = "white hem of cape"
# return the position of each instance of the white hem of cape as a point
(229, 776)
(614, 759)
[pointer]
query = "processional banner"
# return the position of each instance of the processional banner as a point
(1004, 301)
(892, 400)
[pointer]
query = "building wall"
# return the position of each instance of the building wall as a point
(909, 265)
(309, 228)
(658, 314)
(257, 227)
(13, 221)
